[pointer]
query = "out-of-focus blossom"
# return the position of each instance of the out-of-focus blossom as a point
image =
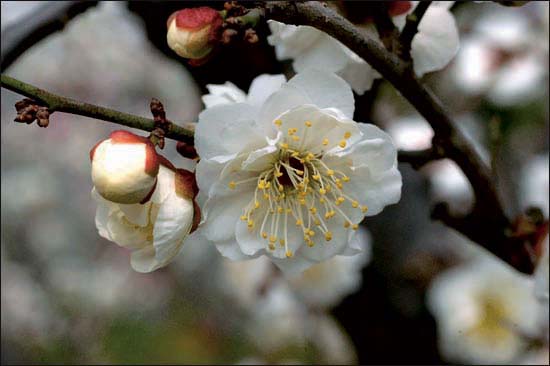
(289, 174)
(484, 309)
(449, 184)
(320, 286)
(155, 230)
(503, 58)
(325, 284)
(193, 32)
(432, 47)
(534, 188)
(411, 133)
(541, 275)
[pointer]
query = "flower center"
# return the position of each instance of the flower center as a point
(298, 189)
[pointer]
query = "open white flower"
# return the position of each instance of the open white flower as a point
(432, 48)
(289, 174)
(483, 311)
(155, 230)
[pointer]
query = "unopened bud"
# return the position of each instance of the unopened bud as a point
(124, 167)
(186, 150)
(193, 32)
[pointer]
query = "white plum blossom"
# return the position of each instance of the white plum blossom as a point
(289, 174)
(432, 48)
(155, 229)
(504, 57)
(484, 309)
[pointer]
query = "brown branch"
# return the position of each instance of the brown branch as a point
(487, 224)
(57, 103)
(419, 158)
(46, 19)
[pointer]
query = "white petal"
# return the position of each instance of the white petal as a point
(323, 249)
(223, 214)
(375, 192)
(231, 250)
(143, 260)
(227, 93)
(376, 149)
(207, 173)
(250, 242)
(165, 185)
(102, 215)
(325, 90)
(137, 213)
(279, 102)
(227, 129)
(173, 223)
(290, 40)
(292, 266)
(259, 160)
(262, 87)
(436, 42)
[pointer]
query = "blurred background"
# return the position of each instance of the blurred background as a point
(69, 296)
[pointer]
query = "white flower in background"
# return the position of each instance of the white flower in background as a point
(432, 48)
(289, 174)
(534, 189)
(154, 230)
(503, 58)
(541, 275)
(483, 311)
(321, 286)
(449, 184)
(410, 133)
(325, 284)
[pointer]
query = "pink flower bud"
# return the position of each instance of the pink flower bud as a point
(193, 32)
(124, 167)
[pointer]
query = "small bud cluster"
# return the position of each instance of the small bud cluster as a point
(28, 110)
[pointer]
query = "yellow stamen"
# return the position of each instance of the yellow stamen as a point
(232, 185)
(308, 123)
(278, 122)
(342, 143)
(328, 236)
(347, 135)
(325, 142)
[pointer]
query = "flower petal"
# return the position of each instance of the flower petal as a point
(292, 266)
(227, 129)
(227, 93)
(231, 250)
(436, 42)
(325, 90)
(223, 214)
(262, 87)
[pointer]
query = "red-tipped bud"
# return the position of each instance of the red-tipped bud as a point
(124, 167)
(193, 32)
(186, 150)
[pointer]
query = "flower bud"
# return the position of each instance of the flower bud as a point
(124, 167)
(192, 32)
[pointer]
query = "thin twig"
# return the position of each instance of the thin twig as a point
(411, 28)
(46, 19)
(57, 103)
(487, 224)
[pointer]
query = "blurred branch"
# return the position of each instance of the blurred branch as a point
(419, 158)
(411, 28)
(487, 224)
(57, 103)
(48, 18)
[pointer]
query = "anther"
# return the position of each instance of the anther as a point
(328, 236)
(232, 185)
(308, 123)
